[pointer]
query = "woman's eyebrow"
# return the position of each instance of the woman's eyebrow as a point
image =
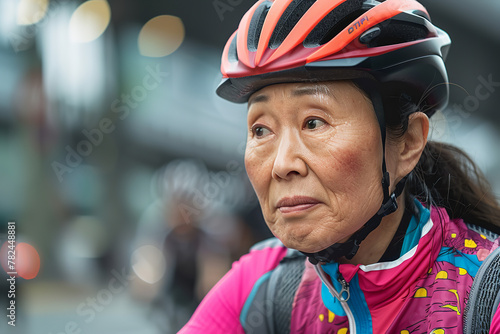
(299, 91)
(311, 90)
(258, 98)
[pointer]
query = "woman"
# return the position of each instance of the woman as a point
(394, 227)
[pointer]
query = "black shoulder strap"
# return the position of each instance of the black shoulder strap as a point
(484, 296)
(283, 285)
(270, 310)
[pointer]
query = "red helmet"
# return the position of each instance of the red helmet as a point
(391, 41)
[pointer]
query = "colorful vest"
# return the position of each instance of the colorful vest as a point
(424, 291)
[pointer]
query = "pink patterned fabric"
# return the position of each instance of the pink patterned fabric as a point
(414, 294)
(424, 291)
(219, 311)
(495, 324)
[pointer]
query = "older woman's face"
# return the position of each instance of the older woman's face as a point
(314, 157)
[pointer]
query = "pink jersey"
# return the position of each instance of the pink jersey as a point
(424, 291)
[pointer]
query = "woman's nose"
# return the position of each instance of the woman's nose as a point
(289, 160)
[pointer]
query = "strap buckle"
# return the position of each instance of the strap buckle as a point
(388, 207)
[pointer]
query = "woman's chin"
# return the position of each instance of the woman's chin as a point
(307, 242)
(304, 244)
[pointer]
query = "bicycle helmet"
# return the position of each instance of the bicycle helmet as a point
(388, 48)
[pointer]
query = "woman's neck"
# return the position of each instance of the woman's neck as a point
(376, 243)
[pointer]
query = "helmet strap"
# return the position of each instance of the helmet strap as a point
(349, 248)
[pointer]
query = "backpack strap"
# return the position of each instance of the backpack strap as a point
(268, 309)
(283, 285)
(490, 235)
(484, 296)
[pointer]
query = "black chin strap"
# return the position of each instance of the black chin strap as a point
(389, 205)
(349, 248)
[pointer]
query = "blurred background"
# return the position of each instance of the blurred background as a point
(124, 171)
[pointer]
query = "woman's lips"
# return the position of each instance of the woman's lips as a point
(296, 204)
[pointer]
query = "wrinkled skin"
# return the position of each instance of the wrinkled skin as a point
(314, 157)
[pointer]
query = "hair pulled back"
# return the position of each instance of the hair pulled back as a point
(445, 176)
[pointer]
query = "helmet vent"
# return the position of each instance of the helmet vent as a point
(333, 23)
(232, 54)
(396, 32)
(256, 24)
(292, 14)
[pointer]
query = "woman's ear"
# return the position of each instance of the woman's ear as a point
(413, 143)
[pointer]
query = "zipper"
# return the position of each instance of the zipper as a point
(340, 296)
(345, 288)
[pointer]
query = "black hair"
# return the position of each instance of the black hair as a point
(445, 176)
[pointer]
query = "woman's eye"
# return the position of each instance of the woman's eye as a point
(314, 123)
(260, 131)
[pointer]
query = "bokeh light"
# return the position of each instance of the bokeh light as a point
(149, 263)
(27, 260)
(89, 21)
(161, 36)
(31, 11)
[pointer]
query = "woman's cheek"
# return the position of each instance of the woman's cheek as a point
(250, 164)
(344, 155)
(255, 169)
